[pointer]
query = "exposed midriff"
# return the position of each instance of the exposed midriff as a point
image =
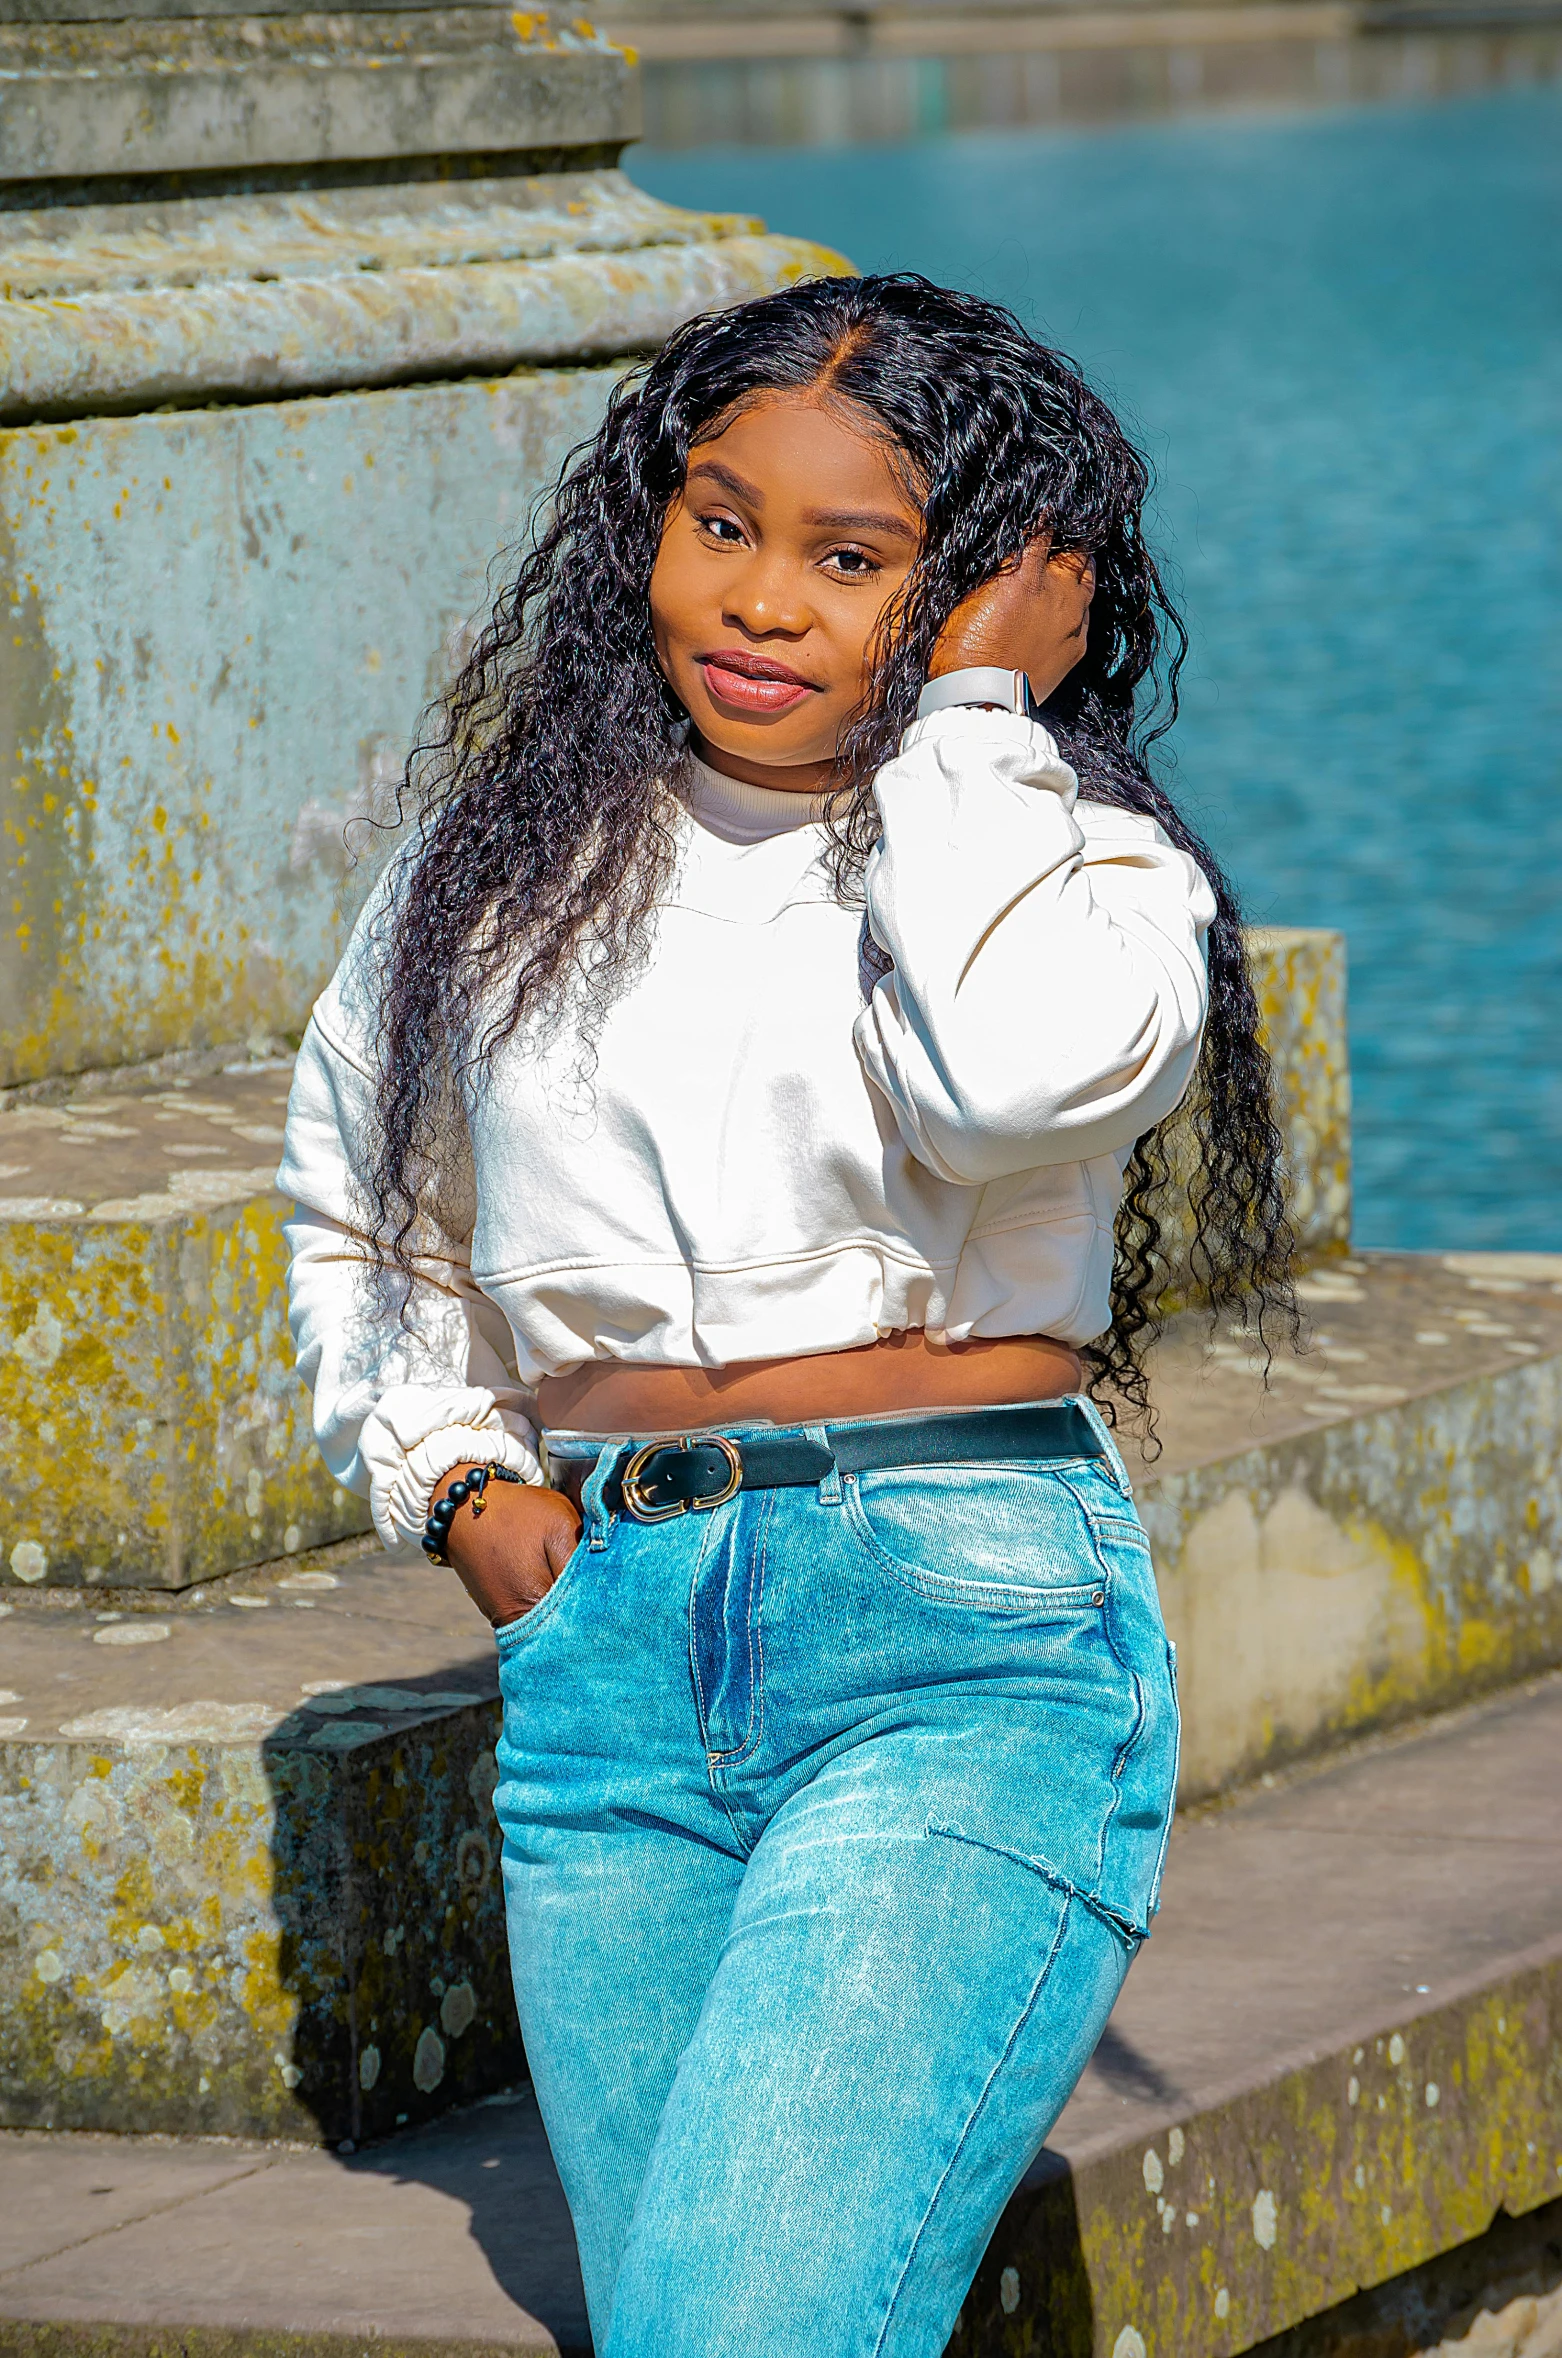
(901, 1371)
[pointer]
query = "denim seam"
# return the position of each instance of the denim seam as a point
(973, 2116)
(1131, 1935)
(694, 1630)
(1125, 1751)
(756, 1648)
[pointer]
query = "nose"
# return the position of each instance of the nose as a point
(766, 597)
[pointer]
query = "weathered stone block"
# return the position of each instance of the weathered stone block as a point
(183, 94)
(252, 1900)
(1380, 1535)
(144, 1344)
(1299, 974)
(180, 769)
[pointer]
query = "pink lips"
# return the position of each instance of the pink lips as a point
(752, 683)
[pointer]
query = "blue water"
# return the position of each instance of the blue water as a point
(1340, 338)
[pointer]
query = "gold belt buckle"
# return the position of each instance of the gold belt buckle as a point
(642, 1508)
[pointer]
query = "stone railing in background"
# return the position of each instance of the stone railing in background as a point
(805, 73)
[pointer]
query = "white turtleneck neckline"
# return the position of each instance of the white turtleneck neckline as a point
(739, 813)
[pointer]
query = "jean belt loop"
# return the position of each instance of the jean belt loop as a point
(830, 1487)
(595, 1516)
(1103, 1433)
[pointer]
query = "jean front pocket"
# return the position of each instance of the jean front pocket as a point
(1007, 1539)
(512, 1636)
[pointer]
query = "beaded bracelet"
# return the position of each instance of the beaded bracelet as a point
(470, 1486)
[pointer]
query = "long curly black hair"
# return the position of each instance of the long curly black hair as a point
(541, 778)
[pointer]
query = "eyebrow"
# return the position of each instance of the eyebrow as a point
(861, 520)
(739, 488)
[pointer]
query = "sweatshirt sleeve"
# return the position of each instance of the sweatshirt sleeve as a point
(399, 1397)
(1048, 992)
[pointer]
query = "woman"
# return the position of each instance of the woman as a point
(727, 1105)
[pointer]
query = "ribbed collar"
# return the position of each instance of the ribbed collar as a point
(744, 814)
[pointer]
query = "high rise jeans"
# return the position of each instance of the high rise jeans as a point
(832, 1820)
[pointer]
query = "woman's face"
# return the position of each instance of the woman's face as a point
(789, 538)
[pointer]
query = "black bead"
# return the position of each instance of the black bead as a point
(458, 1494)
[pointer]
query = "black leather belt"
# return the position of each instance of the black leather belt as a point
(660, 1479)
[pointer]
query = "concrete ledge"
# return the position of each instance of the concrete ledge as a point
(248, 1861)
(1379, 1535)
(176, 95)
(92, 352)
(144, 1343)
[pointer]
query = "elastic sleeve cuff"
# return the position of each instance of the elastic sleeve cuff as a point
(414, 1438)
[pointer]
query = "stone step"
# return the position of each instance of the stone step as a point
(247, 1876)
(1337, 2058)
(144, 1340)
(1381, 1532)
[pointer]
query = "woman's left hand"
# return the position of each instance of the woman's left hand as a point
(1033, 617)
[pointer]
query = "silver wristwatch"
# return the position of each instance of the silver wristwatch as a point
(979, 683)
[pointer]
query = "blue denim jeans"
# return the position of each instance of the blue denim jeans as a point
(832, 1819)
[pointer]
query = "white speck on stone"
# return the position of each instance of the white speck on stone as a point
(1433, 2093)
(1154, 2175)
(1129, 2343)
(1359, 2055)
(40, 1344)
(1386, 2216)
(1361, 2178)
(251, 1604)
(13, 1727)
(252, 1492)
(1352, 2089)
(149, 1940)
(205, 2086)
(48, 1967)
(1190, 2219)
(1175, 2147)
(458, 2009)
(28, 1562)
(368, 2068)
(289, 2074)
(1502, 2026)
(1222, 2303)
(131, 1633)
(1266, 2219)
(1009, 2291)
(428, 2060)
(292, 1540)
(1396, 2049)
(9, 1695)
(311, 1580)
(181, 1980)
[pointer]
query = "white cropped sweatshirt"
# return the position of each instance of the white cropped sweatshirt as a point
(742, 1159)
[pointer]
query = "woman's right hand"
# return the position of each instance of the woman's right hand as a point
(508, 1557)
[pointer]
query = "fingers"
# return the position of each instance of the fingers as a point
(560, 1541)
